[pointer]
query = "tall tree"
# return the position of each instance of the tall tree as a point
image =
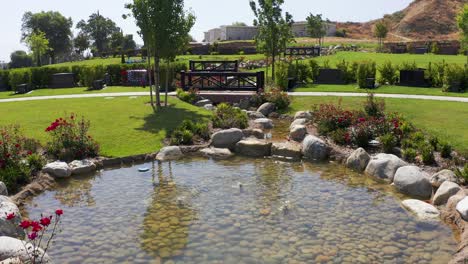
(462, 20)
(81, 43)
(317, 27)
(38, 44)
(20, 59)
(274, 30)
(99, 29)
(56, 27)
(380, 32)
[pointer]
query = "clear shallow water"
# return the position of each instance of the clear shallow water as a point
(194, 211)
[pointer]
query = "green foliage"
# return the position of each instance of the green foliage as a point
(5, 78)
(314, 69)
(427, 154)
(365, 70)
(462, 173)
(374, 107)
(301, 71)
(19, 76)
(435, 73)
(316, 27)
(408, 66)
(89, 74)
(99, 29)
(380, 32)
(454, 77)
(184, 134)
(227, 116)
(339, 136)
(189, 97)
(410, 154)
(35, 162)
(462, 22)
(181, 137)
(389, 142)
(278, 97)
(388, 73)
(349, 70)
(282, 75)
(434, 142)
(434, 48)
(38, 44)
(445, 150)
(14, 176)
(20, 59)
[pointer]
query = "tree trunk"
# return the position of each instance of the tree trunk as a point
(157, 80)
(149, 78)
(167, 83)
(273, 59)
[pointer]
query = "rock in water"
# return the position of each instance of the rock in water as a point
(445, 191)
(263, 123)
(253, 148)
(462, 208)
(226, 138)
(58, 169)
(411, 180)
(384, 166)
(313, 148)
(169, 153)
(298, 133)
(423, 210)
(443, 176)
(266, 108)
(79, 167)
(11, 248)
(358, 160)
(288, 150)
(217, 153)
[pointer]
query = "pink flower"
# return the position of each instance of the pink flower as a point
(10, 216)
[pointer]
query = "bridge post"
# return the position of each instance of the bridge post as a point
(182, 80)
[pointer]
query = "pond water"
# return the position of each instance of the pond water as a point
(237, 211)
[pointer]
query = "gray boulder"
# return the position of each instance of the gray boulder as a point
(288, 150)
(253, 148)
(313, 148)
(358, 160)
(298, 122)
(79, 167)
(263, 123)
(442, 176)
(411, 180)
(11, 248)
(298, 133)
(255, 115)
(217, 153)
(57, 169)
(256, 133)
(10, 227)
(445, 191)
(209, 107)
(462, 208)
(266, 108)
(303, 115)
(3, 189)
(204, 102)
(226, 138)
(169, 153)
(423, 211)
(384, 166)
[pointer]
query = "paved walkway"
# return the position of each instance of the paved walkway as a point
(131, 94)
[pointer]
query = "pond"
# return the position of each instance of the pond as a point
(237, 211)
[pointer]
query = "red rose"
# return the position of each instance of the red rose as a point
(32, 236)
(36, 227)
(10, 216)
(59, 212)
(45, 221)
(25, 224)
(29, 153)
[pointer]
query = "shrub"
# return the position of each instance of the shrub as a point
(410, 154)
(14, 176)
(374, 107)
(314, 69)
(445, 150)
(181, 137)
(183, 134)
(202, 130)
(361, 134)
(301, 71)
(189, 97)
(35, 162)
(282, 75)
(435, 73)
(408, 66)
(329, 117)
(388, 73)
(278, 97)
(388, 142)
(365, 70)
(349, 70)
(427, 154)
(454, 76)
(462, 173)
(19, 76)
(91, 73)
(5, 78)
(434, 142)
(70, 139)
(340, 137)
(227, 117)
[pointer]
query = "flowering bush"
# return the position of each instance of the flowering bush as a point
(227, 116)
(190, 96)
(40, 234)
(70, 139)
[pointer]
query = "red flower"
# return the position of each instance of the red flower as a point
(45, 221)
(362, 120)
(25, 224)
(8, 155)
(59, 212)
(32, 236)
(29, 153)
(17, 145)
(10, 216)
(36, 227)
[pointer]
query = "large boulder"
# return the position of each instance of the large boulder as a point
(443, 176)
(256, 133)
(3, 189)
(445, 191)
(313, 148)
(462, 208)
(169, 153)
(267, 108)
(358, 160)
(298, 122)
(253, 148)
(10, 227)
(255, 115)
(226, 138)
(11, 248)
(58, 169)
(303, 115)
(263, 123)
(204, 102)
(216, 153)
(384, 166)
(298, 133)
(423, 210)
(411, 180)
(79, 167)
(288, 150)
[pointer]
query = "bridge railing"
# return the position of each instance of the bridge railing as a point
(214, 66)
(223, 81)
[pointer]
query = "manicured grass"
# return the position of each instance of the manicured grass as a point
(123, 126)
(386, 89)
(446, 120)
(79, 90)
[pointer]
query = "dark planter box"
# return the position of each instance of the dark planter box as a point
(455, 87)
(414, 78)
(291, 83)
(23, 88)
(62, 80)
(330, 76)
(370, 83)
(98, 85)
(421, 50)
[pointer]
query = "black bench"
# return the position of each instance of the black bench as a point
(330, 76)
(23, 88)
(62, 80)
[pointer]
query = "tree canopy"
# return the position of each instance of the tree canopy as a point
(56, 27)
(380, 32)
(462, 21)
(20, 59)
(99, 29)
(38, 44)
(317, 27)
(81, 43)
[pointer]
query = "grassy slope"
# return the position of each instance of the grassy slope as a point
(447, 120)
(122, 126)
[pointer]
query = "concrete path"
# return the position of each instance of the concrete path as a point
(131, 94)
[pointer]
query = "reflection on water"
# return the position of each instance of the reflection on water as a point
(238, 211)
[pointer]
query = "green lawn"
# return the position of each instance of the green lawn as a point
(123, 126)
(446, 120)
(386, 89)
(79, 90)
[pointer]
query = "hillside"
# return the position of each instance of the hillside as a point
(422, 19)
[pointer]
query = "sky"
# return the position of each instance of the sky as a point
(209, 13)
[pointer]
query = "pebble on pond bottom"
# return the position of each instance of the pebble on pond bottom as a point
(189, 212)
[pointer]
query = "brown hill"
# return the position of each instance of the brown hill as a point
(422, 19)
